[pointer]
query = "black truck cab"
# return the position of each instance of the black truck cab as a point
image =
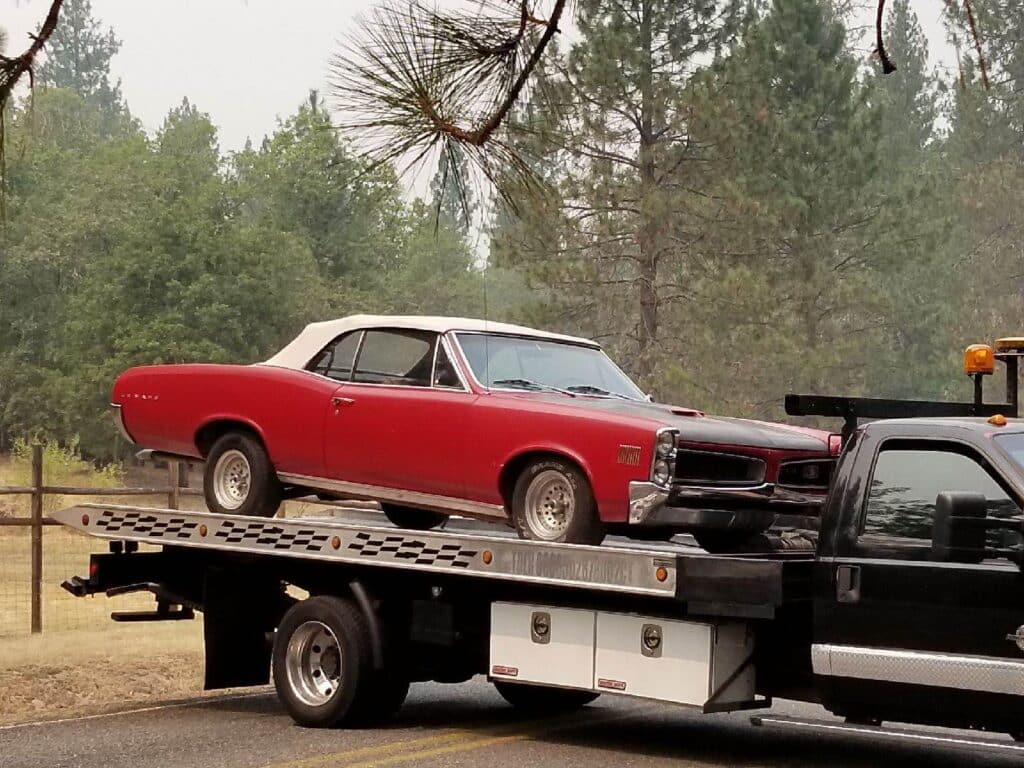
(907, 627)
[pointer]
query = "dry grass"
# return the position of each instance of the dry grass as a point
(66, 553)
(83, 662)
(62, 674)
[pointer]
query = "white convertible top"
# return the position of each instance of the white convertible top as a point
(315, 336)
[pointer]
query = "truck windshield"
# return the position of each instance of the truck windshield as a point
(1012, 444)
(514, 362)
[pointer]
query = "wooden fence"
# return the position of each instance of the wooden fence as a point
(176, 487)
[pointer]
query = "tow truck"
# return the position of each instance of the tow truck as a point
(909, 610)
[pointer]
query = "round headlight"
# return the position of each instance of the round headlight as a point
(662, 472)
(666, 444)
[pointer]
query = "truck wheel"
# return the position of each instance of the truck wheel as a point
(410, 517)
(539, 698)
(323, 663)
(239, 478)
(552, 501)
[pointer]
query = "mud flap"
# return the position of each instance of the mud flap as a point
(241, 612)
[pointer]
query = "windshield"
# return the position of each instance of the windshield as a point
(512, 362)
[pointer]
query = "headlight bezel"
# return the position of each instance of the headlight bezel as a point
(665, 443)
(662, 470)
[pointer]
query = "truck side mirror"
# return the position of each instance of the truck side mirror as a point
(958, 531)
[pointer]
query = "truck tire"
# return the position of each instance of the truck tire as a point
(323, 664)
(552, 501)
(412, 518)
(239, 478)
(541, 699)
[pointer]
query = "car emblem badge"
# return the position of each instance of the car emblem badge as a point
(1018, 637)
(629, 455)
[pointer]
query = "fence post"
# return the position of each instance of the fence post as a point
(173, 475)
(37, 539)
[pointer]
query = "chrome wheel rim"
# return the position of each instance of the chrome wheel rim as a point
(550, 504)
(231, 479)
(313, 663)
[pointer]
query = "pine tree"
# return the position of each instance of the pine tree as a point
(78, 58)
(798, 275)
(628, 165)
(453, 205)
(908, 96)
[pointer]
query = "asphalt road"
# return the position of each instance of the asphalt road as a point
(442, 726)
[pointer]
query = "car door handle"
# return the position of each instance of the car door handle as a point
(848, 584)
(337, 402)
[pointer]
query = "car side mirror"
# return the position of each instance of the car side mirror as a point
(650, 397)
(958, 531)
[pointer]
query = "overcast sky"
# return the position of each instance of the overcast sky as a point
(248, 62)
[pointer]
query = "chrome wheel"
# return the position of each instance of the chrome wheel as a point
(313, 663)
(549, 505)
(231, 479)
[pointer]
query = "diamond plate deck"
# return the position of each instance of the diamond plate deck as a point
(610, 569)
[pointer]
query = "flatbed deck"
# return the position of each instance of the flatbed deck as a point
(748, 585)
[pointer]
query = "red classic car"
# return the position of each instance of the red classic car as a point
(432, 416)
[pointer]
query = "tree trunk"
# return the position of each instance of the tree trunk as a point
(646, 234)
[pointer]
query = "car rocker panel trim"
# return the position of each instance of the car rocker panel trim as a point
(395, 495)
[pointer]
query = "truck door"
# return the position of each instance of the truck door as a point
(899, 636)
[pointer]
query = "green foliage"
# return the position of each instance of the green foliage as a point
(739, 207)
(126, 250)
(63, 464)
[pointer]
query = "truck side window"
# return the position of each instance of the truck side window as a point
(906, 480)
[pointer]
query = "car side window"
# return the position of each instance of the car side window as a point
(907, 478)
(335, 360)
(445, 375)
(402, 357)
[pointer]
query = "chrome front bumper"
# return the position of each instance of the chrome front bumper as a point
(714, 507)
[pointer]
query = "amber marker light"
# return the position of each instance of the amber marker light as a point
(997, 420)
(487, 557)
(979, 358)
(661, 574)
(336, 542)
(202, 530)
(85, 519)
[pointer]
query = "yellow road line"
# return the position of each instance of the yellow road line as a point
(394, 752)
(490, 741)
(425, 754)
(376, 749)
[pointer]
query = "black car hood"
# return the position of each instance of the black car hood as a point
(695, 427)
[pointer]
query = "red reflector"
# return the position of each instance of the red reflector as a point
(835, 444)
(94, 569)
